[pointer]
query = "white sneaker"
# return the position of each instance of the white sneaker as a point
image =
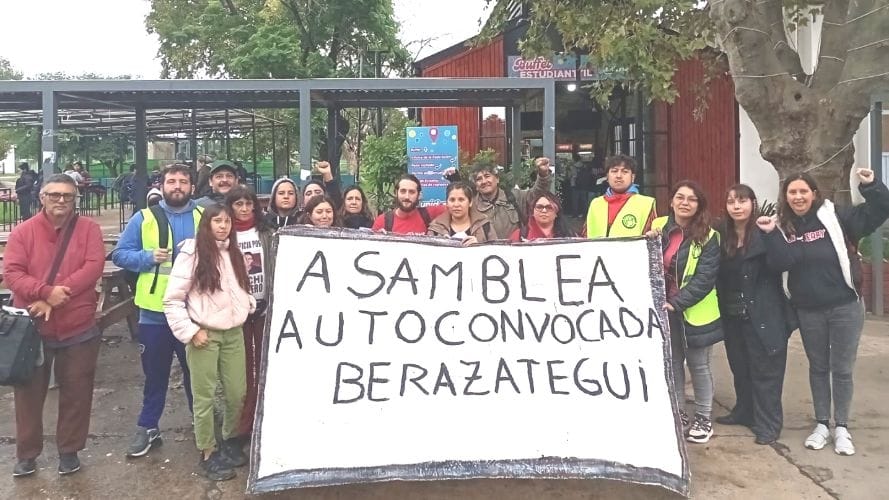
(818, 438)
(842, 442)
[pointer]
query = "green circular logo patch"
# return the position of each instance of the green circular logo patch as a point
(629, 221)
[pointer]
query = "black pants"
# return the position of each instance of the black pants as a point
(758, 377)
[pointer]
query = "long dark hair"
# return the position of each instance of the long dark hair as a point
(206, 271)
(365, 209)
(244, 193)
(699, 227)
(560, 225)
(785, 213)
(730, 238)
(306, 217)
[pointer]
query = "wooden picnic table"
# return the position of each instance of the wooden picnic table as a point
(108, 238)
(116, 299)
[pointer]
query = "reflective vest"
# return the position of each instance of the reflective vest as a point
(145, 297)
(707, 310)
(630, 220)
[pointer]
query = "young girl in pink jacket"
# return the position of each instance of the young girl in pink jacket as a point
(206, 303)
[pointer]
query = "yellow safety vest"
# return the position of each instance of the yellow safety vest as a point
(145, 299)
(707, 310)
(630, 220)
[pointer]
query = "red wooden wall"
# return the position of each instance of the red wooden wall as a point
(482, 61)
(705, 150)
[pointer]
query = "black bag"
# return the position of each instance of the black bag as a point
(19, 339)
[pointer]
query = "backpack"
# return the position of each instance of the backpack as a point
(389, 218)
(131, 277)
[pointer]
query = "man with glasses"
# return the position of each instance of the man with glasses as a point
(622, 211)
(223, 177)
(64, 308)
(148, 246)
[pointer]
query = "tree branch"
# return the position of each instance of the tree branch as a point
(786, 55)
(834, 42)
(867, 55)
(745, 37)
(229, 6)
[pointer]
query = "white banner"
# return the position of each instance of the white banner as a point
(407, 358)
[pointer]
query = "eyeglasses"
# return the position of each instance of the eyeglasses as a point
(544, 208)
(60, 196)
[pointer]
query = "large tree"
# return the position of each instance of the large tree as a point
(278, 39)
(806, 121)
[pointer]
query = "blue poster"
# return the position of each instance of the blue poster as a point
(431, 151)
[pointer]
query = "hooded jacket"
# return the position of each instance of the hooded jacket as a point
(479, 227)
(834, 283)
(275, 217)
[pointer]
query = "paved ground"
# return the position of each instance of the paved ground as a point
(730, 466)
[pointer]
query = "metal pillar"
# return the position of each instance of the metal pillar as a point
(274, 150)
(193, 140)
(253, 128)
(549, 121)
(141, 150)
(332, 149)
(49, 143)
(876, 241)
(515, 136)
(305, 130)
(287, 132)
(228, 138)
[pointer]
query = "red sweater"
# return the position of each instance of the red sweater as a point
(413, 223)
(28, 257)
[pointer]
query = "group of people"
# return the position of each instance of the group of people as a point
(203, 265)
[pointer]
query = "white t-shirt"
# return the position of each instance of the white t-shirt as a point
(251, 247)
(460, 235)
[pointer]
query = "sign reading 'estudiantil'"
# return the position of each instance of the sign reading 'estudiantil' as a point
(408, 358)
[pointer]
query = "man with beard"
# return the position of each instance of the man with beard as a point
(408, 217)
(148, 246)
(223, 177)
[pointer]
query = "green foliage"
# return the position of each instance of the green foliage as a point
(383, 161)
(279, 39)
(641, 39)
(767, 209)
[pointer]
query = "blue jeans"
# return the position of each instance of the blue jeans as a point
(157, 346)
(830, 338)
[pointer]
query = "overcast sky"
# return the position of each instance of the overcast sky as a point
(108, 37)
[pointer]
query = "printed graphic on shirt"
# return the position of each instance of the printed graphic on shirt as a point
(629, 221)
(251, 248)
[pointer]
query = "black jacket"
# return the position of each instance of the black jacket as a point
(769, 310)
(700, 284)
(855, 223)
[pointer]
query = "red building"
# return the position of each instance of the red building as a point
(668, 140)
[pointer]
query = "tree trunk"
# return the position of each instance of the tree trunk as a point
(806, 122)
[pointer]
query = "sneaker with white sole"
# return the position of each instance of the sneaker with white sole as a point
(818, 438)
(842, 442)
(142, 441)
(701, 429)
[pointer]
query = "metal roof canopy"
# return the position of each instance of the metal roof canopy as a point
(161, 123)
(53, 98)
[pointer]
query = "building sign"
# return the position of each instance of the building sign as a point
(431, 151)
(557, 67)
(408, 358)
